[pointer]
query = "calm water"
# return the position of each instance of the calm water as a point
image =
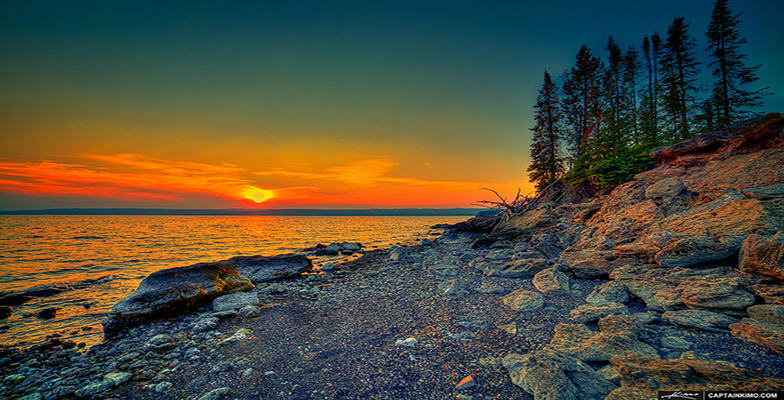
(101, 259)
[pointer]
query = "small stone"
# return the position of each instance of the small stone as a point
(328, 266)
(47, 313)
(410, 342)
(93, 388)
(247, 372)
(162, 387)
(216, 394)
(550, 281)
(238, 336)
(674, 342)
(161, 341)
(510, 328)
(273, 288)
(117, 378)
(466, 383)
(249, 311)
(523, 300)
(14, 379)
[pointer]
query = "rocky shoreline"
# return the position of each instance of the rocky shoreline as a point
(674, 281)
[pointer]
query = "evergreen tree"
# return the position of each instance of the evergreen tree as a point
(546, 161)
(631, 75)
(649, 109)
(679, 67)
(613, 133)
(581, 103)
(729, 102)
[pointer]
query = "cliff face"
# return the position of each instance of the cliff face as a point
(702, 231)
(699, 240)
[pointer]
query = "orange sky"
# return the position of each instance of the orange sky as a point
(346, 104)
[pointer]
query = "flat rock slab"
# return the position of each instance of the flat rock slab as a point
(267, 268)
(642, 377)
(721, 294)
(523, 300)
(700, 319)
(175, 291)
(234, 301)
(695, 250)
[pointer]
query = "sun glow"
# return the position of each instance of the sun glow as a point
(258, 195)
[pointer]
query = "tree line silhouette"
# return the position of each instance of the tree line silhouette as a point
(601, 124)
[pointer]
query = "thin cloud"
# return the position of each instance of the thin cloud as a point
(148, 178)
(370, 173)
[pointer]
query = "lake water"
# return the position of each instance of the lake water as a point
(97, 260)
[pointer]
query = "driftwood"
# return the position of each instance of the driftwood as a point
(519, 205)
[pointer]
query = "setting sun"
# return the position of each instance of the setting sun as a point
(258, 195)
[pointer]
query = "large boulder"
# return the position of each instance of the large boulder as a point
(175, 291)
(617, 335)
(549, 375)
(764, 326)
(267, 268)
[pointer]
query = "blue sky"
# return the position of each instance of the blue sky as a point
(425, 101)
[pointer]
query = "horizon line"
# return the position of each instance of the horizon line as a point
(251, 212)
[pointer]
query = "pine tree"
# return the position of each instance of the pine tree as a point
(546, 161)
(729, 102)
(581, 103)
(649, 108)
(631, 75)
(679, 67)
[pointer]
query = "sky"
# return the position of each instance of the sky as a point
(302, 104)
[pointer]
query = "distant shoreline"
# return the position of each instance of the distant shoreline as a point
(251, 212)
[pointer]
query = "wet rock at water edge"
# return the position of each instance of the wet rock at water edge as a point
(47, 313)
(5, 311)
(175, 291)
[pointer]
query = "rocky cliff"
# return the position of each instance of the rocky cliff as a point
(699, 240)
